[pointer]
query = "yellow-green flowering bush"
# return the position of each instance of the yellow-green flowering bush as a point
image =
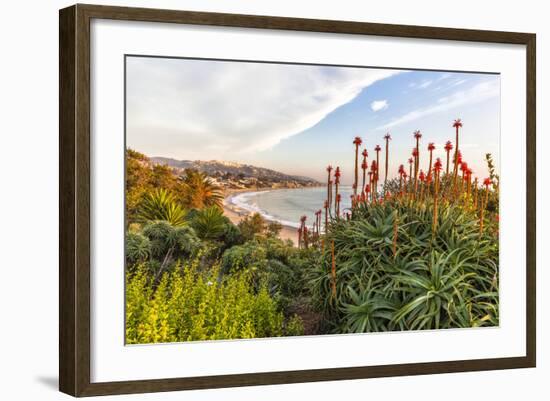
(189, 305)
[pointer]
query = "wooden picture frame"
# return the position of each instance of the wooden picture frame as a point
(74, 199)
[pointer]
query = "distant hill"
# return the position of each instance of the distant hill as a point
(223, 170)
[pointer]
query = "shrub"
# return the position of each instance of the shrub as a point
(250, 226)
(189, 305)
(442, 280)
(160, 244)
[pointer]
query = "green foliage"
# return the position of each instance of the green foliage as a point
(159, 245)
(161, 205)
(251, 226)
(138, 248)
(248, 256)
(273, 229)
(294, 326)
(445, 280)
(210, 223)
(189, 305)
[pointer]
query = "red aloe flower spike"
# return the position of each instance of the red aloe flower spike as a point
(475, 188)
(437, 168)
(422, 178)
(326, 206)
(337, 174)
(486, 183)
(448, 148)
(456, 124)
(469, 180)
(387, 138)
(417, 136)
(377, 149)
(438, 165)
(463, 169)
(401, 171)
(357, 142)
(329, 185)
(364, 166)
(431, 148)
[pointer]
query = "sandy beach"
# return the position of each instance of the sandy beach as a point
(236, 215)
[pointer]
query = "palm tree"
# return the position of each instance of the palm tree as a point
(200, 191)
(357, 142)
(161, 205)
(209, 223)
(456, 124)
(448, 148)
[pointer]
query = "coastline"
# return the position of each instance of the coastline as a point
(236, 214)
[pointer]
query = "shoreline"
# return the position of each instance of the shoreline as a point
(236, 214)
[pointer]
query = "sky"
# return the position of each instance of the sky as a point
(298, 119)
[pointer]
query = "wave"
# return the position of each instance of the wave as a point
(243, 201)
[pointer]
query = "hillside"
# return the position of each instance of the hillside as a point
(236, 175)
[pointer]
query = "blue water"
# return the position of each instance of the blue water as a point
(288, 205)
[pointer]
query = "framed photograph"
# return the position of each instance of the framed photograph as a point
(250, 200)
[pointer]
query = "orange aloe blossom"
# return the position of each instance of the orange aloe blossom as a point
(448, 148)
(387, 138)
(357, 142)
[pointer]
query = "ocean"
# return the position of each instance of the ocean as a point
(287, 205)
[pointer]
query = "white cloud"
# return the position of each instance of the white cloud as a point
(378, 105)
(476, 94)
(425, 84)
(202, 109)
